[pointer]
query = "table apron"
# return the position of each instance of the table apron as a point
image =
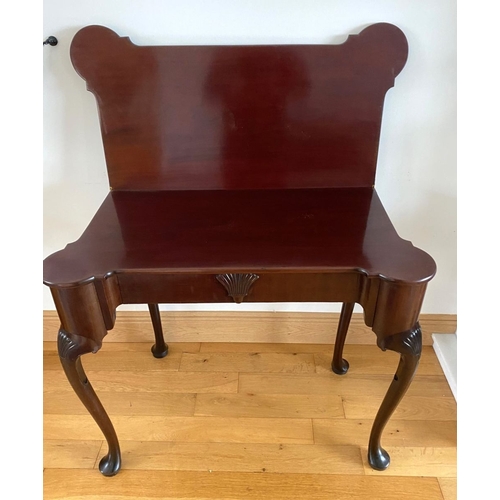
(140, 288)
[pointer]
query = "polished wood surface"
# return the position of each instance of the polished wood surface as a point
(240, 173)
(240, 117)
(320, 230)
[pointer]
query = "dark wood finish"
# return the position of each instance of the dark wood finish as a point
(339, 364)
(232, 163)
(409, 345)
(159, 349)
(271, 287)
(240, 117)
(70, 348)
(237, 285)
(320, 230)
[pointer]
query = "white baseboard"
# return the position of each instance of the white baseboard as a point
(445, 346)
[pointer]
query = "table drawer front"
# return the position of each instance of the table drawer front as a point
(140, 288)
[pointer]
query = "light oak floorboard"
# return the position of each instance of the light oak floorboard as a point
(162, 485)
(65, 454)
(127, 361)
(269, 405)
(260, 347)
(417, 461)
(345, 385)
(410, 408)
(186, 429)
(241, 457)
(370, 360)
(282, 410)
(266, 362)
(448, 487)
(117, 403)
(151, 381)
(433, 433)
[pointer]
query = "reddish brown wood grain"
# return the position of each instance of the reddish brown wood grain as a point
(320, 230)
(240, 117)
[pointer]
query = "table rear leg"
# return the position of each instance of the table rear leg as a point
(409, 345)
(159, 349)
(70, 348)
(340, 365)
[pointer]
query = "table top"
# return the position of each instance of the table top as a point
(240, 117)
(288, 230)
(240, 159)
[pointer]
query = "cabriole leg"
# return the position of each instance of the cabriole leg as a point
(160, 349)
(70, 348)
(409, 345)
(340, 365)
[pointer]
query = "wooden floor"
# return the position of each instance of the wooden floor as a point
(248, 421)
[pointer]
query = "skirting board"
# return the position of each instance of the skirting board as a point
(261, 327)
(445, 346)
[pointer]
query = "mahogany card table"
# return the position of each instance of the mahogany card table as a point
(240, 173)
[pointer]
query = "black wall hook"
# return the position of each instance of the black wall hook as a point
(52, 40)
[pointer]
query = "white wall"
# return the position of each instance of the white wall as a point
(416, 175)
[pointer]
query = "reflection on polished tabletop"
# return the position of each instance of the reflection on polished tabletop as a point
(251, 230)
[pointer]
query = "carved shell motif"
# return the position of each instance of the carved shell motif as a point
(407, 342)
(70, 345)
(237, 285)
(412, 344)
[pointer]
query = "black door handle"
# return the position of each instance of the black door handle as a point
(52, 40)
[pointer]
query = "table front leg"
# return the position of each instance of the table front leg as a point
(409, 345)
(70, 348)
